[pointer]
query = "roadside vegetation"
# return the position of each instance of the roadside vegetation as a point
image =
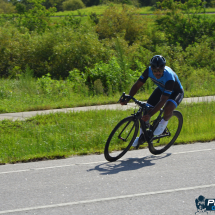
(86, 60)
(60, 135)
(27, 93)
(100, 9)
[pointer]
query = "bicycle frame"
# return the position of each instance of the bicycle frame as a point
(143, 108)
(148, 135)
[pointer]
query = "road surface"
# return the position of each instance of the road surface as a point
(139, 183)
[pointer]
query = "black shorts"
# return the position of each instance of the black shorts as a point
(175, 97)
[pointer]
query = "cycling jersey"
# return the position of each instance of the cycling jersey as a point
(168, 83)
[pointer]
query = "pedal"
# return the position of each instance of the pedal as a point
(165, 131)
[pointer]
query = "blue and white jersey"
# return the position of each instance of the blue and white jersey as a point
(168, 83)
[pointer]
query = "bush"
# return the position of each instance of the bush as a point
(77, 49)
(56, 52)
(21, 8)
(78, 80)
(35, 19)
(6, 7)
(90, 3)
(72, 5)
(201, 55)
(108, 62)
(182, 22)
(111, 76)
(122, 22)
(98, 87)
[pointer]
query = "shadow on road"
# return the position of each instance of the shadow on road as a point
(127, 164)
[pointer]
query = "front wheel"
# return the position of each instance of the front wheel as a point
(121, 138)
(161, 143)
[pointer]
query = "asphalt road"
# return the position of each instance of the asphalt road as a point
(139, 183)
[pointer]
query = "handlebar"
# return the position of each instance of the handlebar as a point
(142, 104)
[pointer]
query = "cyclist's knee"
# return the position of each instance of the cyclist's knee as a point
(168, 110)
(169, 107)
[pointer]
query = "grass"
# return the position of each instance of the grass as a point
(28, 94)
(18, 97)
(99, 10)
(61, 135)
(198, 123)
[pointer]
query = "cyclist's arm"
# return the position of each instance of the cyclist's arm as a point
(133, 91)
(135, 88)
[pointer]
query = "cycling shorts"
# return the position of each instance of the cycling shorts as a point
(175, 97)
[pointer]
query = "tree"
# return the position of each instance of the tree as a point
(73, 5)
(125, 23)
(57, 4)
(37, 18)
(6, 7)
(182, 23)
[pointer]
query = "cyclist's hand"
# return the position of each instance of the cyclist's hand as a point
(146, 117)
(123, 102)
(124, 99)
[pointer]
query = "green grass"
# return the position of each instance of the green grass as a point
(199, 123)
(62, 135)
(101, 8)
(27, 94)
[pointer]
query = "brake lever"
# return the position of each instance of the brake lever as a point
(122, 97)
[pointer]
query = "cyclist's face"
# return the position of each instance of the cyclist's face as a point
(158, 72)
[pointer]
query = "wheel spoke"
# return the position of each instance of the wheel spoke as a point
(121, 139)
(168, 137)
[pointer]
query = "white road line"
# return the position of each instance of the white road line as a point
(200, 150)
(96, 162)
(106, 199)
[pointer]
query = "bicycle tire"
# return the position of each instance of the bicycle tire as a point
(171, 132)
(121, 138)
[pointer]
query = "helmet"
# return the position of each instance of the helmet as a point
(158, 61)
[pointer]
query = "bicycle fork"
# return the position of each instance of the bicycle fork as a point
(125, 139)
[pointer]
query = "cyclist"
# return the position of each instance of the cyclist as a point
(169, 92)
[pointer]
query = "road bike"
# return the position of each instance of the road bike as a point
(123, 135)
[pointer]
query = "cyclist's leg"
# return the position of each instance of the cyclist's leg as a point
(155, 97)
(168, 110)
(172, 103)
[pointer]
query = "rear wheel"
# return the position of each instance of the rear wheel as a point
(121, 138)
(161, 143)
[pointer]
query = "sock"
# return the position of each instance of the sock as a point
(164, 122)
(141, 131)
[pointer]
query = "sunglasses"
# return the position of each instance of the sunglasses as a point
(157, 70)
